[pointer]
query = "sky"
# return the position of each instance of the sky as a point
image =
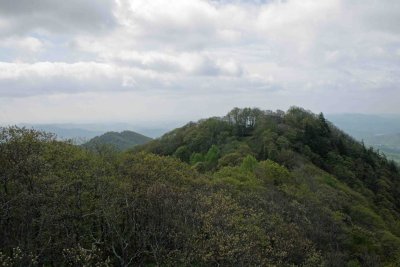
(154, 60)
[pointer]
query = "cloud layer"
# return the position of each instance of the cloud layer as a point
(328, 55)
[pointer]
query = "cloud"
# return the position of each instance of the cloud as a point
(26, 44)
(184, 63)
(45, 78)
(177, 23)
(25, 16)
(327, 55)
(24, 79)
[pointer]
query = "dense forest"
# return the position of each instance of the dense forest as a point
(119, 141)
(253, 188)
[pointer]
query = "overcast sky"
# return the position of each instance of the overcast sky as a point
(158, 60)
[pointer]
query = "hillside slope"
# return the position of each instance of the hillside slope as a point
(120, 141)
(254, 188)
(352, 188)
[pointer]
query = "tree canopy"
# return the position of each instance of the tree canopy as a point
(254, 188)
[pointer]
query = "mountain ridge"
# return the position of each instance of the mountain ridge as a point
(119, 140)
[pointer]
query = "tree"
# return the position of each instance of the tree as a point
(249, 163)
(183, 153)
(212, 157)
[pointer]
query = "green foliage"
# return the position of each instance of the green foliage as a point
(231, 159)
(249, 163)
(270, 171)
(183, 153)
(212, 156)
(196, 157)
(229, 234)
(255, 188)
(236, 176)
(367, 217)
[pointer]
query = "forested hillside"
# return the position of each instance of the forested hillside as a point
(120, 141)
(254, 188)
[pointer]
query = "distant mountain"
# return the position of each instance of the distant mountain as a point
(388, 141)
(121, 141)
(362, 125)
(389, 144)
(379, 131)
(82, 132)
(66, 131)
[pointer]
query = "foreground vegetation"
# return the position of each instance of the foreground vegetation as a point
(255, 188)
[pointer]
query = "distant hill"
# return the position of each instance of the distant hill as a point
(387, 141)
(361, 125)
(66, 131)
(83, 132)
(379, 131)
(389, 144)
(121, 141)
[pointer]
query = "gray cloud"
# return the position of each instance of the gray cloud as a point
(331, 55)
(24, 16)
(49, 78)
(184, 63)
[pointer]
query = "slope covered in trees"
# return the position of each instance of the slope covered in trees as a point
(120, 141)
(255, 188)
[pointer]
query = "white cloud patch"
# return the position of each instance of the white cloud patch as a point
(26, 44)
(45, 78)
(25, 79)
(184, 63)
